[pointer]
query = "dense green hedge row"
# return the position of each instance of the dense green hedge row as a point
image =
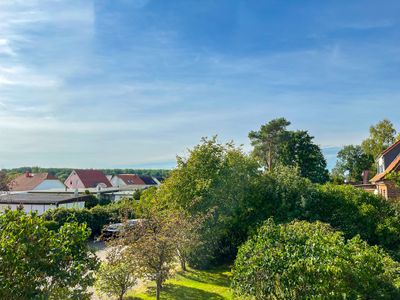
(95, 217)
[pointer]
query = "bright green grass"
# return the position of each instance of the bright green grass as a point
(193, 284)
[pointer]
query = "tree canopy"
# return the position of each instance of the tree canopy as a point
(304, 260)
(275, 145)
(352, 161)
(381, 136)
(38, 263)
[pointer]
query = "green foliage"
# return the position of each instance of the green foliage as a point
(91, 201)
(215, 181)
(356, 212)
(38, 263)
(221, 182)
(116, 275)
(4, 180)
(381, 136)
(268, 140)
(274, 145)
(287, 196)
(304, 260)
(96, 217)
(137, 194)
(300, 151)
(352, 161)
(394, 177)
(152, 245)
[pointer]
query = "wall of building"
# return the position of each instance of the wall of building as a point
(116, 181)
(73, 205)
(41, 208)
(74, 182)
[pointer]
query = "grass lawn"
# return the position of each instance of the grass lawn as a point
(193, 284)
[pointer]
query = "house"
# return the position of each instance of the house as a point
(122, 180)
(40, 202)
(86, 179)
(133, 180)
(387, 162)
(35, 182)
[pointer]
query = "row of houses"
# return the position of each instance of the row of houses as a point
(42, 191)
(80, 180)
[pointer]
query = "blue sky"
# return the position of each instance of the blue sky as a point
(133, 83)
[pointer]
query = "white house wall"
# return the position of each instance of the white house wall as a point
(73, 205)
(41, 208)
(116, 181)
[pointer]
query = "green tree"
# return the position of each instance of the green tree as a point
(381, 136)
(38, 263)
(304, 260)
(268, 140)
(275, 145)
(352, 161)
(4, 181)
(151, 246)
(300, 151)
(216, 181)
(117, 274)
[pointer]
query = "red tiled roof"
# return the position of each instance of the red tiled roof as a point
(91, 178)
(392, 167)
(131, 179)
(29, 181)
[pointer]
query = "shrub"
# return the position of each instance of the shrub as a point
(304, 260)
(38, 263)
(96, 217)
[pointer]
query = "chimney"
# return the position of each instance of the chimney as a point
(365, 176)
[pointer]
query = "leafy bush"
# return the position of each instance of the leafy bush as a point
(304, 260)
(287, 196)
(91, 201)
(355, 211)
(96, 217)
(38, 263)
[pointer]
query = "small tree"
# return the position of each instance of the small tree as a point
(152, 246)
(116, 275)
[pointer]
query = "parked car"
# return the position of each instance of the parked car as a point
(113, 230)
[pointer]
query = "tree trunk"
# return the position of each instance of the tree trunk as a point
(158, 289)
(183, 265)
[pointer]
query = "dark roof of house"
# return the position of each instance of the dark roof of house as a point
(390, 148)
(148, 180)
(40, 198)
(159, 178)
(394, 166)
(131, 179)
(29, 181)
(91, 178)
